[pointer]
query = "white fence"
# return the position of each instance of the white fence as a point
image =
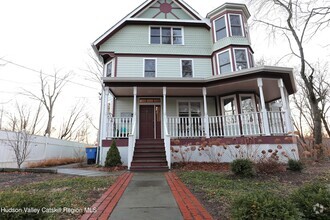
(40, 147)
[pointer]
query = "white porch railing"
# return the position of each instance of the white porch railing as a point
(185, 126)
(119, 127)
(219, 126)
(276, 122)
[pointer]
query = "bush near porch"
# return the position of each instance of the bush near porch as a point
(221, 192)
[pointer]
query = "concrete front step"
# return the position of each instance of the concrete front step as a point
(149, 168)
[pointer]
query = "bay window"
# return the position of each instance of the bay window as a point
(241, 60)
(236, 25)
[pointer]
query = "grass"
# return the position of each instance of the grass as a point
(222, 189)
(75, 194)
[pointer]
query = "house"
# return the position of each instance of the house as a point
(175, 81)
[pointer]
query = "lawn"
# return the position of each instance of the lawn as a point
(61, 197)
(218, 189)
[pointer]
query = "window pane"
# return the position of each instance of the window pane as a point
(236, 26)
(220, 28)
(166, 31)
(177, 40)
(229, 106)
(186, 68)
(195, 108)
(166, 40)
(149, 68)
(155, 40)
(183, 109)
(109, 70)
(247, 104)
(177, 32)
(224, 62)
(155, 35)
(241, 59)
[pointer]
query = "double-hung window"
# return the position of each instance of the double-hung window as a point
(149, 67)
(220, 28)
(189, 109)
(166, 35)
(187, 68)
(241, 59)
(109, 70)
(224, 62)
(236, 25)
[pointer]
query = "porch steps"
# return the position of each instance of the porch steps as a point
(149, 155)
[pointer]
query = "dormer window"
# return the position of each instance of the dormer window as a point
(220, 28)
(166, 35)
(236, 25)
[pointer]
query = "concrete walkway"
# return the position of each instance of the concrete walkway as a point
(147, 196)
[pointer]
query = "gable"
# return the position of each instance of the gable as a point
(166, 9)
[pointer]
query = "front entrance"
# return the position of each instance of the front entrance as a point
(150, 122)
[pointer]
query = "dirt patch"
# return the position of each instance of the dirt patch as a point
(216, 167)
(104, 169)
(10, 179)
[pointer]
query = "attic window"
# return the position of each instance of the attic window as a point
(166, 35)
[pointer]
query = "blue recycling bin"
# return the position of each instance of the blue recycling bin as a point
(91, 154)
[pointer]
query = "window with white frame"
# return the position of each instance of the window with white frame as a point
(236, 25)
(189, 109)
(241, 59)
(224, 62)
(149, 67)
(229, 105)
(109, 69)
(220, 28)
(166, 35)
(187, 68)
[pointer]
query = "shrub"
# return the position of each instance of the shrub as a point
(243, 167)
(113, 157)
(313, 200)
(269, 165)
(295, 165)
(263, 205)
(15, 205)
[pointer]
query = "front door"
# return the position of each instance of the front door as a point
(150, 121)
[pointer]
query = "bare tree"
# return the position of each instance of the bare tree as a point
(50, 89)
(94, 68)
(72, 123)
(20, 144)
(298, 21)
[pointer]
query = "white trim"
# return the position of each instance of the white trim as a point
(165, 26)
(246, 55)
(218, 61)
(223, 106)
(192, 68)
(241, 20)
(214, 28)
(143, 73)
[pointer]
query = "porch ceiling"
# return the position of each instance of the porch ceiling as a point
(242, 81)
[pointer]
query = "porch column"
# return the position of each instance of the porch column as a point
(263, 108)
(103, 121)
(134, 106)
(206, 116)
(285, 106)
(164, 102)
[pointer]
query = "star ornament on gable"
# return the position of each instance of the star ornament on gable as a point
(166, 8)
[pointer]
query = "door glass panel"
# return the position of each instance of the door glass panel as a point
(183, 109)
(229, 106)
(247, 104)
(195, 108)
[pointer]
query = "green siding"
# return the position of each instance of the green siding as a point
(166, 67)
(135, 39)
(123, 105)
(230, 41)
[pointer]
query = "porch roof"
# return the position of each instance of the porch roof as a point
(240, 81)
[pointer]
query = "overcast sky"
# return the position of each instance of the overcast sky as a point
(56, 34)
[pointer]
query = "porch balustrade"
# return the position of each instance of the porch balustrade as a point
(219, 126)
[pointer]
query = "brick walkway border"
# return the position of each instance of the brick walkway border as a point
(105, 205)
(189, 206)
